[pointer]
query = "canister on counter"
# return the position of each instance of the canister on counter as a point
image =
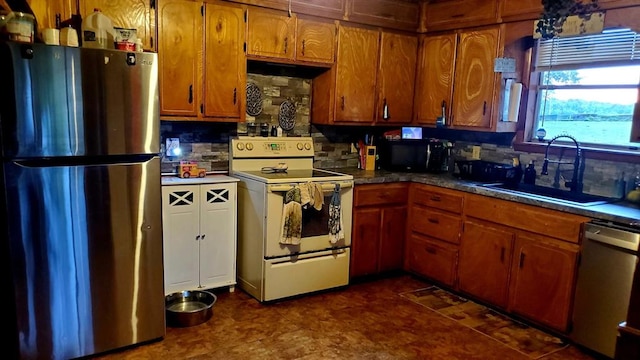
(17, 26)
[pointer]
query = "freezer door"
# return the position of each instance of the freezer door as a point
(64, 101)
(85, 255)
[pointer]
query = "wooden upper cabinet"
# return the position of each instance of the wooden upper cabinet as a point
(356, 75)
(224, 62)
(457, 14)
(475, 80)
(434, 85)
(396, 14)
(396, 77)
(180, 57)
(543, 274)
(315, 41)
(131, 14)
(270, 34)
(46, 11)
(329, 8)
(520, 10)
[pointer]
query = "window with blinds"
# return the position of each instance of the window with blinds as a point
(588, 87)
(619, 46)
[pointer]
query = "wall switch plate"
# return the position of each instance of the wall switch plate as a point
(475, 154)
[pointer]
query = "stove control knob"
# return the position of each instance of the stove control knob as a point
(299, 146)
(307, 146)
(240, 146)
(249, 146)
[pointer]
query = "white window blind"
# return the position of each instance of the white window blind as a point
(615, 46)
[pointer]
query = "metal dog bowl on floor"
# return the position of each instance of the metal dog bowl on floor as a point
(189, 308)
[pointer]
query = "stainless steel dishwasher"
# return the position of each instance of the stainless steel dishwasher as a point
(608, 262)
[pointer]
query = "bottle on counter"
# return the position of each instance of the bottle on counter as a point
(530, 173)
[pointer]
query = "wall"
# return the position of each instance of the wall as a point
(208, 143)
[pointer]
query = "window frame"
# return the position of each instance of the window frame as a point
(525, 128)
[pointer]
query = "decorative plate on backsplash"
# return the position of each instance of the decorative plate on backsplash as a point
(254, 99)
(287, 115)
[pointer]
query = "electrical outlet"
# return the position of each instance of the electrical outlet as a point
(353, 148)
(475, 153)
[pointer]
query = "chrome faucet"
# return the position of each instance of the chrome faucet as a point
(575, 185)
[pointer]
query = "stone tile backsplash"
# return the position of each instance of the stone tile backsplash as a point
(208, 143)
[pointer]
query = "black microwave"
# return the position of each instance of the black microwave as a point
(417, 155)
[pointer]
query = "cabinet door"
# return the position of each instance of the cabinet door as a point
(435, 78)
(396, 77)
(542, 282)
(521, 9)
(224, 63)
(46, 11)
(217, 235)
(433, 259)
(475, 80)
(365, 241)
(180, 57)
(356, 75)
(485, 260)
(180, 233)
(392, 240)
(130, 14)
(315, 41)
(456, 14)
(270, 34)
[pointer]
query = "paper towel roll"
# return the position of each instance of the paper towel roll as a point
(514, 101)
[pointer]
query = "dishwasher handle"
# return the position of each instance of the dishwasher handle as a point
(628, 240)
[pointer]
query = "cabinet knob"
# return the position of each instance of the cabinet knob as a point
(385, 110)
(430, 250)
(342, 103)
(286, 44)
(202, 237)
(435, 198)
(433, 221)
(191, 94)
(303, 46)
(235, 95)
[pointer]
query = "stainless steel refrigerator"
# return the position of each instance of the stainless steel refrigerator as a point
(82, 234)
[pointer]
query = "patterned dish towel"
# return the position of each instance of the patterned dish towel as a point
(291, 218)
(311, 195)
(336, 233)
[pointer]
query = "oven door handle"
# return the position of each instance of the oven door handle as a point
(329, 186)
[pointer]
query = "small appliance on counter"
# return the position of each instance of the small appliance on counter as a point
(413, 153)
(483, 171)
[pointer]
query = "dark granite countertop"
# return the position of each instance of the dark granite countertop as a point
(619, 212)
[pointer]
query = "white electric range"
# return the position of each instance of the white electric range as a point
(269, 269)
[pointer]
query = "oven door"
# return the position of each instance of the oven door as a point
(315, 224)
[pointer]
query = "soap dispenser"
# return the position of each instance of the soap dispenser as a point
(530, 173)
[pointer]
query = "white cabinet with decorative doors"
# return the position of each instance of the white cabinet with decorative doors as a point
(199, 234)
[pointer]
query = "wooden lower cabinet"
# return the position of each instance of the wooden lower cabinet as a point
(379, 221)
(433, 259)
(542, 281)
(485, 261)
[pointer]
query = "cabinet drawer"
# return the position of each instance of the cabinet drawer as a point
(557, 224)
(436, 224)
(380, 194)
(433, 259)
(437, 198)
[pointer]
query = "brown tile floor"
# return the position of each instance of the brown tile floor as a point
(363, 321)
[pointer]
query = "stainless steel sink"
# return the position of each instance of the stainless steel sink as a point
(551, 194)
